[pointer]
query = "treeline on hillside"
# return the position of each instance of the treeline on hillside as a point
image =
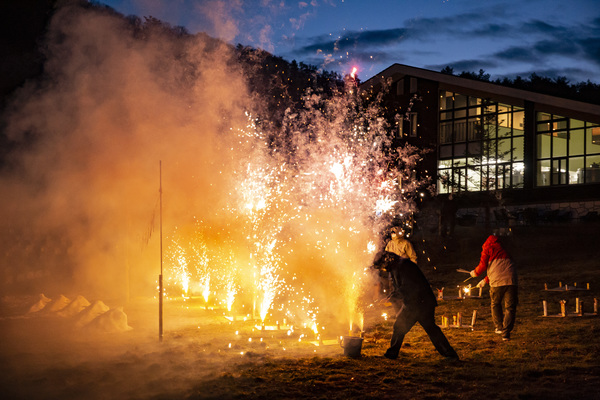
(281, 83)
(587, 92)
(284, 81)
(278, 84)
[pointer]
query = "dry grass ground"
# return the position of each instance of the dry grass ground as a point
(547, 358)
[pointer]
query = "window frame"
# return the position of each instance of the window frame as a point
(472, 128)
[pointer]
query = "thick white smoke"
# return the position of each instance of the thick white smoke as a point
(113, 103)
(290, 213)
(281, 215)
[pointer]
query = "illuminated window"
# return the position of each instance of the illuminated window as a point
(409, 125)
(567, 150)
(481, 144)
(412, 118)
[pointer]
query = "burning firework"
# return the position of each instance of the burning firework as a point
(309, 212)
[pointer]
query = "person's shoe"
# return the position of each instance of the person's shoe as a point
(498, 331)
(452, 358)
(506, 338)
(391, 356)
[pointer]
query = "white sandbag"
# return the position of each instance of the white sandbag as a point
(114, 320)
(89, 313)
(40, 304)
(57, 304)
(74, 307)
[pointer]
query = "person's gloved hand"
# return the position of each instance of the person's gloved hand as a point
(481, 283)
(473, 274)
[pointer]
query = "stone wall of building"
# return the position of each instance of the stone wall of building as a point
(574, 211)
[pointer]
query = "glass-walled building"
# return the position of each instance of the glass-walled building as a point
(481, 144)
(529, 148)
(568, 150)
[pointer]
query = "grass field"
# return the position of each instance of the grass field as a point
(547, 358)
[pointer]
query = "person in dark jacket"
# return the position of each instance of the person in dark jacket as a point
(414, 301)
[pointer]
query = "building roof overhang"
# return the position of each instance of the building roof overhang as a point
(470, 86)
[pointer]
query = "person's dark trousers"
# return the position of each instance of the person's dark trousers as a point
(504, 307)
(406, 317)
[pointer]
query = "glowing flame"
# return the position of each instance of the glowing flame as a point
(353, 297)
(268, 284)
(231, 292)
(467, 290)
(315, 327)
(353, 73)
(205, 284)
(338, 170)
(317, 195)
(185, 283)
(361, 321)
(371, 247)
(384, 205)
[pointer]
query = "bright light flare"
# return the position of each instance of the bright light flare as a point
(337, 169)
(361, 321)
(230, 296)
(371, 247)
(185, 283)
(384, 205)
(467, 290)
(314, 197)
(315, 328)
(205, 284)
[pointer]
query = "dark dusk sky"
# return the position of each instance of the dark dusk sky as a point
(505, 38)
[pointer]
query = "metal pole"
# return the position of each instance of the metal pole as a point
(160, 309)
(160, 277)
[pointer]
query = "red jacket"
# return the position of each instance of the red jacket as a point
(500, 268)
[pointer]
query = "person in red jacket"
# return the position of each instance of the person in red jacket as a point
(502, 277)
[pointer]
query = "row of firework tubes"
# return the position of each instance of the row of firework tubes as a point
(457, 321)
(579, 309)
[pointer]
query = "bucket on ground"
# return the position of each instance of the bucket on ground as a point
(351, 346)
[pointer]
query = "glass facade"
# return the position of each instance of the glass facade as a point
(480, 144)
(567, 151)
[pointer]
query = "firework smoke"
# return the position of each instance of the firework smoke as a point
(287, 213)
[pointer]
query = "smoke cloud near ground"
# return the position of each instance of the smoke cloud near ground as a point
(114, 103)
(142, 149)
(126, 107)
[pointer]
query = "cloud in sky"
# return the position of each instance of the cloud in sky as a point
(505, 49)
(506, 38)
(354, 41)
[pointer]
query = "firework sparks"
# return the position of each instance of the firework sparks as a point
(310, 215)
(231, 291)
(384, 205)
(179, 272)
